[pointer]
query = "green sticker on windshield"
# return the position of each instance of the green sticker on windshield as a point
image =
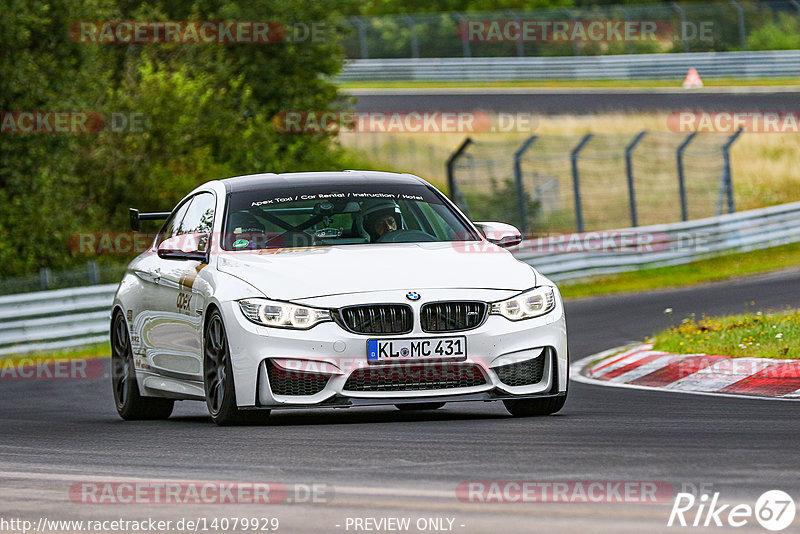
(239, 243)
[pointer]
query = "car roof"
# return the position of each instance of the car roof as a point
(259, 181)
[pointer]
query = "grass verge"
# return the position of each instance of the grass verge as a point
(98, 350)
(755, 335)
(714, 269)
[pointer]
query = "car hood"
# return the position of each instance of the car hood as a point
(288, 274)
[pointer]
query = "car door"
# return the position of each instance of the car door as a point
(151, 312)
(181, 297)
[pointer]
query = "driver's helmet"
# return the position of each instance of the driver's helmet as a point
(372, 211)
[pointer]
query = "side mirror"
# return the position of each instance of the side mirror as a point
(185, 247)
(501, 234)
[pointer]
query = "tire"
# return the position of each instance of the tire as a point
(218, 379)
(131, 405)
(530, 407)
(410, 407)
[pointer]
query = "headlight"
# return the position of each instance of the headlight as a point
(282, 314)
(533, 303)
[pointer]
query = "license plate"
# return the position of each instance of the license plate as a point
(394, 350)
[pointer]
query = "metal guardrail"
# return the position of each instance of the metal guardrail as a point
(740, 65)
(664, 244)
(51, 320)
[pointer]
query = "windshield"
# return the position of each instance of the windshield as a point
(330, 214)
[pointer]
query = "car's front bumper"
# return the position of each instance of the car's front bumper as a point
(330, 351)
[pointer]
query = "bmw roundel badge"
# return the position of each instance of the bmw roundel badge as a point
(412, 295)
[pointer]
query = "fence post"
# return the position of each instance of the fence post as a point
(362, 36)
(453, 192)
(682, 14)
(576, 181)
(727, 178)
(681, 178)
(742, 30)
(464, 38)
(628, 42)
(94, 273)
(522, 197)
(629, 171)
(520, 43)
(575, 46)
(412, 26)
(45, 275)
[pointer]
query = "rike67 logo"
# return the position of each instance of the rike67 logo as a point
(774, 510)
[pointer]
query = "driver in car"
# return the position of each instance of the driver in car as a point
(381, 222)
(385, 224)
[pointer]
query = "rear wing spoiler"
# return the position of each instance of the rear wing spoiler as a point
(136, 217)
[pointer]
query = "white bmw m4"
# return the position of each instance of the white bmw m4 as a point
(332, 289)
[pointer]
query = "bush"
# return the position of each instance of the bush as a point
(783, 34)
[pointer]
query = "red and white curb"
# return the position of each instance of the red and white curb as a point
(640, 367)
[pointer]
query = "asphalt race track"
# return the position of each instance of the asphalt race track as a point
(380, 462)
(575, 101)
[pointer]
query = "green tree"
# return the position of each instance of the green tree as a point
(386, 7)
(208, 111)
(42, 70)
